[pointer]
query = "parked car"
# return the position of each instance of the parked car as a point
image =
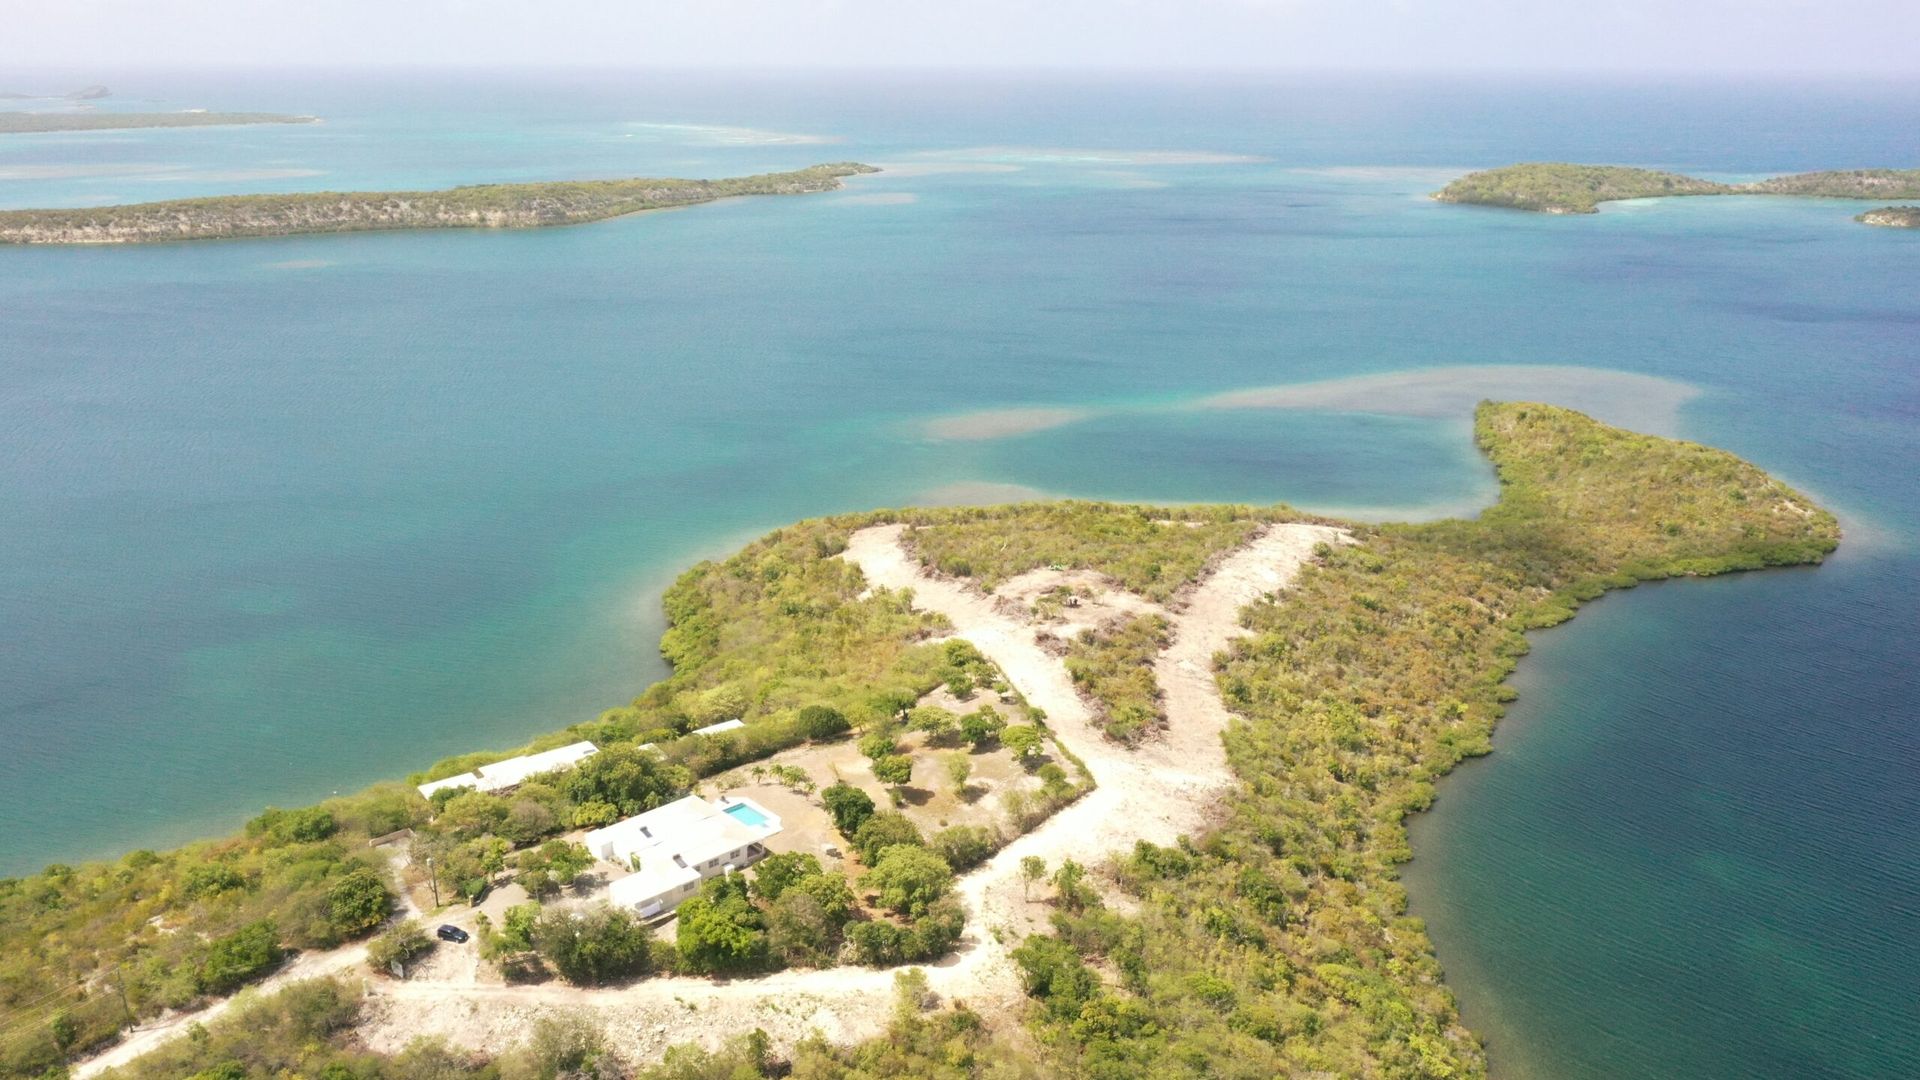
(451, 933)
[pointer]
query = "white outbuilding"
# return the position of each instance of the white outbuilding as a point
(514, 771)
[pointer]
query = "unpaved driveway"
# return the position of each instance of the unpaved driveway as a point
(1158, 791)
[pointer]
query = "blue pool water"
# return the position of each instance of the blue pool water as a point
(747, 815)
(284, 517)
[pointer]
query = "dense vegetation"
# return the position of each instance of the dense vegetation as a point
(1560, 188)
(1280, 944)
(85, 950)
(1113, 667)
(1276, 945)
(1844, 184)
(478, 206)
(1149, 550)
(1892, 217)
(15, 123)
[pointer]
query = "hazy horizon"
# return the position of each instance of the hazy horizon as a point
(1848, 38)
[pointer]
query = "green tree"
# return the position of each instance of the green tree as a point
(239, 957)
(1024, 741)
(910, 878)
(883, 830)
(357, 902)
(627, 778)
(878, 744)
(1032, 869)
(774, 874)
(720, 930)
(959, 771)
(848, 806)
(822, 722)
(894, 769)
(593, 947)
(982, 727)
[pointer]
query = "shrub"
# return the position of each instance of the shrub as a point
(964, 846)
(402, 945)
(293, 826)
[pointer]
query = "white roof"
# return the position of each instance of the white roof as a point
(515, 770)
(715, 729)
(674, 841)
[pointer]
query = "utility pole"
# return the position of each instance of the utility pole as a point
(434, 881)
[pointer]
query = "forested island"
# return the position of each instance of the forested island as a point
(1561, 188)
(1274, 940)
(477, 206)
(1892, 217)
(26, 123)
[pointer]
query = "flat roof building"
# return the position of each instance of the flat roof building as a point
(673, 848)
(514, 771)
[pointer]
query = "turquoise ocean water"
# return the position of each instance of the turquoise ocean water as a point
(283, 517)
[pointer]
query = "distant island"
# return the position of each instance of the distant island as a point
(1561, 188)
(478, 206)
(33, 123)
(1892, 217)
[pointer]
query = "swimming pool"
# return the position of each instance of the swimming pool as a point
(747, 815)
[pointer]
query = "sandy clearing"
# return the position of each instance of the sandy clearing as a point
(1157, 792)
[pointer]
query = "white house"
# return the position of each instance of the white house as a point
(514, 771)
(715, 729)
(679, 845)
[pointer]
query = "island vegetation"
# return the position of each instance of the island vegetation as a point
(26, 123)
(1562, 188)
(1278, 943)
(478, 206)
(1892, 217)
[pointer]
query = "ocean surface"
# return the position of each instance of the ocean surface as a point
(283, 517)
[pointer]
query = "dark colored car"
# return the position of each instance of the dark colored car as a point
(451, 933)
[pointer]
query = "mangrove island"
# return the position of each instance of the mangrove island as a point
(1562, 188)
(29, 123)
(477, 206)
(1892, 217)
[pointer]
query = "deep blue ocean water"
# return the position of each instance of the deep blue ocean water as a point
(283, 517)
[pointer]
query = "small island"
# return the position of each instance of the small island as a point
(35, 123)
(1562, 188)
(1892, 217)
(478, 206)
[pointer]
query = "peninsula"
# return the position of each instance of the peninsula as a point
(1561, 188)
(28, 123)
(1892, 217)
(479, 206)
(1261, 697)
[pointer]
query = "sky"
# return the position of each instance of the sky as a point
(1824, 37)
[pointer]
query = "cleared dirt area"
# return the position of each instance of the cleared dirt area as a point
(1167, 787)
